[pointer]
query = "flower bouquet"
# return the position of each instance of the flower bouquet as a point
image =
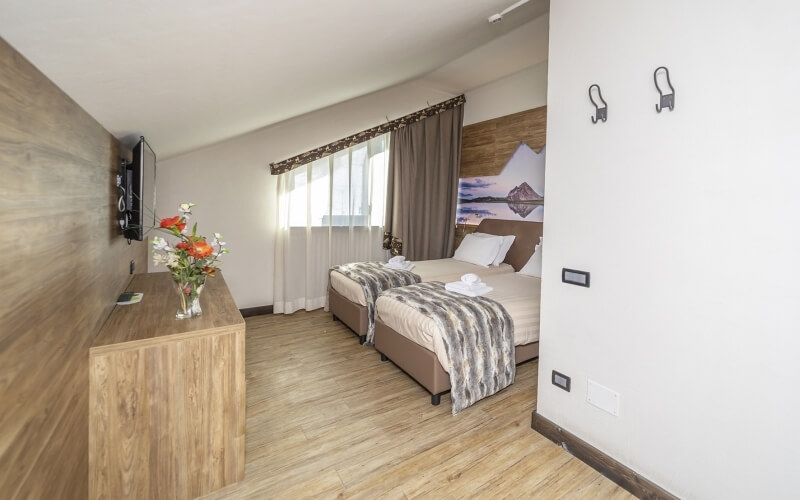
(191, 260)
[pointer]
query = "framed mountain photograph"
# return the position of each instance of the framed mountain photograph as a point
(517, 193)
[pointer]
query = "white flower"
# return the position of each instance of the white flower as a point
(216, 241)
(186, 209)
(160, 243)
(172, 261)
(159, 258)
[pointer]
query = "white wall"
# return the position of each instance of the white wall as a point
(526, 89)
(236, 195)
(689, 223)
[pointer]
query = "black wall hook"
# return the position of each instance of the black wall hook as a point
(666, 100)
(601, 113)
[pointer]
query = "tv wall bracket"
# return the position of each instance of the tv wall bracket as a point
(123, 180)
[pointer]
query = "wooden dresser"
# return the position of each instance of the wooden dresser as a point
(167, 396)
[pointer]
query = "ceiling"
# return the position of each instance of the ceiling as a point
(190, 73)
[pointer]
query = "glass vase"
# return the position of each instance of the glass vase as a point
(189, 290)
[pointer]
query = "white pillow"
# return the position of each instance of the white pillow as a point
(534, 265)
(478, 250)
(501, 254)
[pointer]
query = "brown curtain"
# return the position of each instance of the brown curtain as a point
(422, 189)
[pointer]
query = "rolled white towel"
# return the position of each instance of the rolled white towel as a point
(471, 279)
(460, 285)
(471, 291)
(402, 266)
(398, 259)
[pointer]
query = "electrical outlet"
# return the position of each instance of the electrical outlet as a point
(133, 266)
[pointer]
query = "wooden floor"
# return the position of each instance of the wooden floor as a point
(327, 419)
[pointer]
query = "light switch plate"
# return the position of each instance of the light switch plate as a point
(560, 380)
(575, 277)
(602, 397)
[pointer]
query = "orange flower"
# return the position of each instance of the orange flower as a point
(181, 226)
(201, 249)
(184, 245)
(170, 222)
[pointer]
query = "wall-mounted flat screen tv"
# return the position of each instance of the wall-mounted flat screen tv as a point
(140, 192)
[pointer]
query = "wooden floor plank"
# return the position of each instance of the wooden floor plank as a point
(327, 419)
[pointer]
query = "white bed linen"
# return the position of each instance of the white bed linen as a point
(428, 270)
(519, 294)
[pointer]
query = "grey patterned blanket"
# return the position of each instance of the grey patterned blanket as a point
(374, 278)
(478, 336)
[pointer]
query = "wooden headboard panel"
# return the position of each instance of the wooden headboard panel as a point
(487, 146)
(527, 236)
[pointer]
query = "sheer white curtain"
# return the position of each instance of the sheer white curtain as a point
(330, 212)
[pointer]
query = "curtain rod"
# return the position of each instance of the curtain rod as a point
(281, 167)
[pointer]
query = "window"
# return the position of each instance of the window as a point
(347, 188)
(331, 212)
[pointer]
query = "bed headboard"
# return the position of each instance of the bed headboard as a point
(527, 236)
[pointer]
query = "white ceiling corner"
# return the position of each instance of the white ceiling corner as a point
(510, 53)
(188, 74)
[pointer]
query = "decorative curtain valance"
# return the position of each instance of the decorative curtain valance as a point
(284, 166)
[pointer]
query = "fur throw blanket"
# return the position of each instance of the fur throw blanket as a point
(478, 335)
(374, 278)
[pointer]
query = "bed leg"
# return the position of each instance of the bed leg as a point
(362, 339)
(335, 318)
(383, 357)
(436, 399)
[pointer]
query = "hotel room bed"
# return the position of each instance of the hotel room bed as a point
(413, 341)
(346, 299)
(428, 270)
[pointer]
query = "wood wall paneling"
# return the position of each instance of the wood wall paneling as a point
(63, 267)
(487, 146)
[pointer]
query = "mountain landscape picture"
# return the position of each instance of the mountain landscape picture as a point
(517, 193)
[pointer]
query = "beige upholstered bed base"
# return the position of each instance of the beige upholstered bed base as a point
(351, 314)
(422, 365)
